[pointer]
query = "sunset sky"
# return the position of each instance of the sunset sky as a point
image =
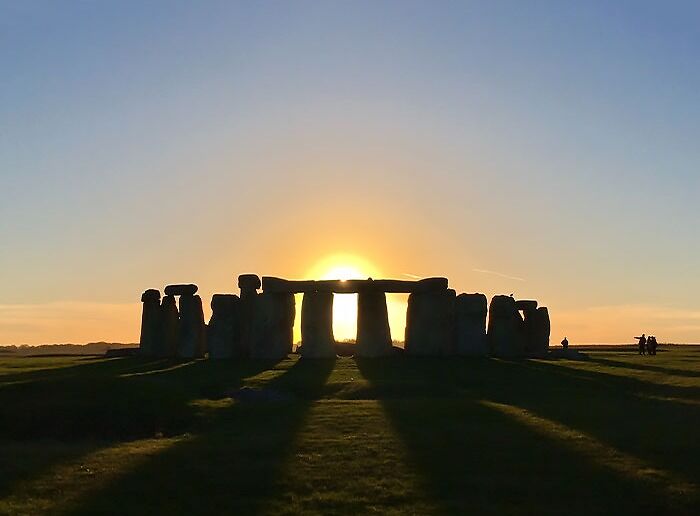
(536, 148)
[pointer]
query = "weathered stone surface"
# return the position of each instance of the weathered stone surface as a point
(192, 328)
(223, 330)
(249, 282)
(430, 323)
(373, 332)
(150, 295)
(317, 325)
(273, 327)
(169, 328)
(183, 289)
(525, 305)
(506, 335)
(150, 322)
(272, 284)
(470, 325)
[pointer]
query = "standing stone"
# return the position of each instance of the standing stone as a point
(169, 328)
(505, 336)
(150, 322)
(430, 323)
(192, 328)
(373, 332)
(223, 331)
(317, 325)
(539, 332)
(273, 328)
(470, 325)
(249, 285)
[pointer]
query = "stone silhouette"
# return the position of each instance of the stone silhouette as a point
(470, 325)
(224, 329)
(373, 332)
(150, 322)
(273, 326)
(259, 325)
(317, 325)
(430, 323)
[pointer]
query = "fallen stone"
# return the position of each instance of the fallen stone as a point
(223, 330)
(373, 332)
(317, 325)
(430, 323)
(192, 328)
(470, 325)
(181, 290)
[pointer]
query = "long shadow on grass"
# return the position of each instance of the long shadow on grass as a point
(644, 367)
(474, 458)
(90, 405)
(230, 466)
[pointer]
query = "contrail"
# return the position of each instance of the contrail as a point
(499, 274)
(413, 276)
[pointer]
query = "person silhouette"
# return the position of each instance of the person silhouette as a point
(642, 344)
(651, 345)
(565, 343)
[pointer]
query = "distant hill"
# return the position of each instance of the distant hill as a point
(93, 348)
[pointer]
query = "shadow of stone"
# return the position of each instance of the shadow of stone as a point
(644, 367)
(455, 440)
(228, 467)
(69, 414)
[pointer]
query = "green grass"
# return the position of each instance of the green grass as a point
(615, 433)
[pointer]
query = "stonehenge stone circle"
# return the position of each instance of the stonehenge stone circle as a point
(373, 332)
(193, 336)
(259, 325)
(169, 328)
(430, 323)
(181, 290)
(273, 327)
(223, 330)
(150, 322)
(470, 325)
(317, 325)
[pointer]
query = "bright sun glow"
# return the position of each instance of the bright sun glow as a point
(343, 267)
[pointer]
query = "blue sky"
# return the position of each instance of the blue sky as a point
(148, 142)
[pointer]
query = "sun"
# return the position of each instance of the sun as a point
(344, 267)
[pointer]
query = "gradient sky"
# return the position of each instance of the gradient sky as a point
(548, 149)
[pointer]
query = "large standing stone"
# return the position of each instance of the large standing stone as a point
(430, 323)
(506, 336)
(317, 325)
(223, 331)
(470, 325)
(373, 332)
(273, 328)
(192, 328)
(539, 332)
(150, 322)
(249, 284)
(169, 328)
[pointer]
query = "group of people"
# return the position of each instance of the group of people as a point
(647, 345)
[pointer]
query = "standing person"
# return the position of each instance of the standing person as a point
(565, 344)
(642, 344)
(651, 345)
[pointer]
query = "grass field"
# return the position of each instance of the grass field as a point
(611, 434)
